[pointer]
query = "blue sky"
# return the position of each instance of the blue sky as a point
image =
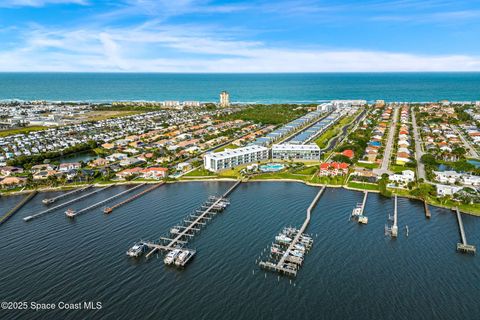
(239, 36)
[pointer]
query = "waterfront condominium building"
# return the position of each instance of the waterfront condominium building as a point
(224, 99)
(295, 152)
(215, 161)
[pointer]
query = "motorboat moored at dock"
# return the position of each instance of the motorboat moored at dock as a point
(137, 250)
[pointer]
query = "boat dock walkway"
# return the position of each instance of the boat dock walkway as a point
(109, 210)
(65, 204)
(193, 222)
(393, 230)
(359, 209)
(19, 205)
(64, 195)
(76, 213)
(463, 246)
(280, 266)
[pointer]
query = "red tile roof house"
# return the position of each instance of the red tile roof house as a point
(156, 173)
(348, 153)
(333, 168)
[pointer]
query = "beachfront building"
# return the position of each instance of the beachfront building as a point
(224, 99)
(295, 152)
(215, 161)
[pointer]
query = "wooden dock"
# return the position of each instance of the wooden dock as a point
(428, 215)
(12, 211)
(280, 265)
(65, 204)
(463, 246)
(193, 222)
(392, 230)
(95, 205)
(357, 212)
(109, 210)
(64, 195)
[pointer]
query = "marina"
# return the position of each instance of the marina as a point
(295, 240)
(225, 256)
(181, 234)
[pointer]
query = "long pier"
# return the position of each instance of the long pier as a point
(198, 220)
(136, 196)
(12, 211)
(393, 230)
(76, 213)
(64, 204)
(280, 266)
(463, 246)
(64, 195)
(359, 209)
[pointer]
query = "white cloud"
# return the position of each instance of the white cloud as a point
(164, 48)
(38, 3)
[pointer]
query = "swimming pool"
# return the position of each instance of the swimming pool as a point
(271, 167)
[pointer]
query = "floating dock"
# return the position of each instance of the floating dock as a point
(290, 262)
(109, 210)
(12, 211)
(393, 229)
(73, 214)
(180, 235)
(463, 246)
(64, 195)
(64, 204)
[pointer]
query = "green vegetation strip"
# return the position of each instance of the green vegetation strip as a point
(24, 130)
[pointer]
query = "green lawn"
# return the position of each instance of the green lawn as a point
(10, 132)
(200, 172)
(323, 140)
(364, 186)
(367, 165)
(306, 170)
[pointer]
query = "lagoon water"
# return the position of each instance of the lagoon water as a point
(258, 88)
(352, 271)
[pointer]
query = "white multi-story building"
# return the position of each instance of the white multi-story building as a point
(295, 152)
(215, 161)
(224, 99)
(191, 103)
(171, 104)
(325, 107)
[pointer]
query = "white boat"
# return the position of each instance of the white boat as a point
(283, 238)
(276, 250)
(357, 211)
(174, 230)
(136, 250)
(183, 257)
(296, 253)
(70, 213)
(363, 219)
(170, 258)
(299, 247)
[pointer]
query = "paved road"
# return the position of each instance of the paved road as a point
(388, 148)
(418, 149)
(471, 150)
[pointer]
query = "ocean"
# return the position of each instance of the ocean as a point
(352, 271)
(247, 88)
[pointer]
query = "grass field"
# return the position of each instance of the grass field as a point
(363, 186)
(10, 132)
(323, 140)
(200, 172)
(228, 146)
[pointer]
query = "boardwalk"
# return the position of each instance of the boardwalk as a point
(136, 196)
(463, 246)
(66, 194)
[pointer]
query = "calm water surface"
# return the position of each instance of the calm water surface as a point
(352, 271)
(260, 88)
